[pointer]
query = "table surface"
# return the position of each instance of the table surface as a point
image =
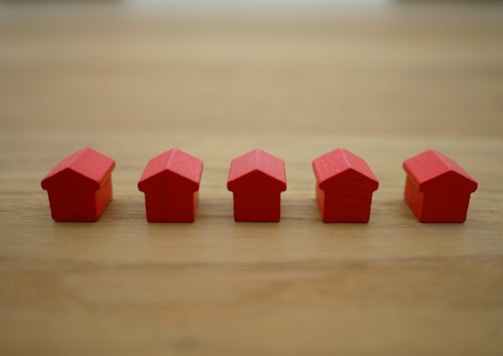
(385, 83)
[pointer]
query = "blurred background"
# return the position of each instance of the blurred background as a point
(384, 79)
(367, 66)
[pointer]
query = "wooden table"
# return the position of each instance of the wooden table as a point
(385, 83)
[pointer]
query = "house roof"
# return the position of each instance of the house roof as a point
(90, 165)
(256, 164)
(175, 162)
(341, 165)
(430, 167)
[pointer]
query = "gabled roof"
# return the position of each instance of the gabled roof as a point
(340, 165)
(431, 167)
(256, 167)
(87, 164)
(176, 163)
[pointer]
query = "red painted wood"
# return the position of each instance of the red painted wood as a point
(171, 182)
(80, 186)
(437, 189)
(257, 179)
(344, 187)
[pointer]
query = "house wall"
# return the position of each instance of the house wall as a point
(320, 200)
(348, 205)
(414, 197)
(264, 206)
(72, 206)
(170, 206)
(447, 206)
(74, 198)
(102, 197)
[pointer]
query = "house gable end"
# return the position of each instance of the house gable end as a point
(432, 170)
(350, 178)
(167, 179)
(254, 180)
(68, 178)
(173, 166)
(258, 166)
(449, 181)
(87, 166)
(338, 166)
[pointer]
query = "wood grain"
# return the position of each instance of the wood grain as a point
(383, 83)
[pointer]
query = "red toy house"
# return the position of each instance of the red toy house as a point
(257, 180)
(344, 187)
(437, 189)
(80, 186)
(170, 182)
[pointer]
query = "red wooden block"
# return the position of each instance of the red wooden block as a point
(437, 188)
(344, 187)
(170, 182)
(257, 180)
(80, 186)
